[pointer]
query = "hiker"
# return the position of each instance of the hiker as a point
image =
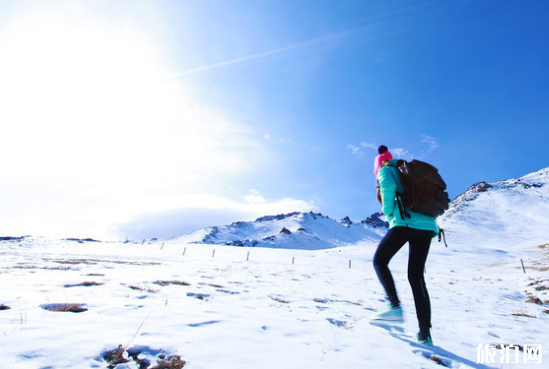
(417, 230)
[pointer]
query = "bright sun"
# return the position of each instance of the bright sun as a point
(92, 98)
(88, 115)
(65, 82)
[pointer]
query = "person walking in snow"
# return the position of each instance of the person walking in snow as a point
(417, 230)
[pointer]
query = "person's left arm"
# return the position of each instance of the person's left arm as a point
(388, 188)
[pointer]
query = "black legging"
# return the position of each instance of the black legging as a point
(420, 242)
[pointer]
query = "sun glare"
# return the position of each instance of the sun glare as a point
(75, 85)
(86, 106)
(87, 94)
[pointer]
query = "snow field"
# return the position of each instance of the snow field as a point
(219, 310)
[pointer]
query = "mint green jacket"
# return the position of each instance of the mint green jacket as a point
(389, 183)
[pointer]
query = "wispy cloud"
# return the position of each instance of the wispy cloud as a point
(374, 30)
(238, 60)
(431, 142)
(353, 148)
(359, 149)
(368, 145)
(368, 148)
(400, 153)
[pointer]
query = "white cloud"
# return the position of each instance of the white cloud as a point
(359, 149)
(399, 153)
(368, 145)
(431, 142)
(255, 198)
(353, 148)
(282, 206)
(193, 213)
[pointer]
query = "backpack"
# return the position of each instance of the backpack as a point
(424, 188)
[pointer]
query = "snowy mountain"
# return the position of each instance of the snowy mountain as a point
(512, 210)
(306, 231)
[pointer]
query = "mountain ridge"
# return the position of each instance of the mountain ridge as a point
(297, 230)
(509, 209)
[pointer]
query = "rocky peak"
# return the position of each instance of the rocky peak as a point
(346, 221)
(375, 221)
(285, 231)
(472, 192)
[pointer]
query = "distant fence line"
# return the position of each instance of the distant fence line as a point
(204, 252)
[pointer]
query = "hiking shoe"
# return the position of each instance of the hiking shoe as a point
(425, 341)
(392, 314)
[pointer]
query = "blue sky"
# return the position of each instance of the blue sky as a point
(151, 118)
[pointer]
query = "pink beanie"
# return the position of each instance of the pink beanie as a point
(379, 160)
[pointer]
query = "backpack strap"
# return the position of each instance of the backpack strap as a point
(401, 208)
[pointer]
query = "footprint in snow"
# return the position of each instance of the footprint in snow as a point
(196, 325)
(229, 292)
(200, 296)
(279, 298)
(340, 323)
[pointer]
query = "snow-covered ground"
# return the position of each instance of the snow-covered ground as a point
(253, 307)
